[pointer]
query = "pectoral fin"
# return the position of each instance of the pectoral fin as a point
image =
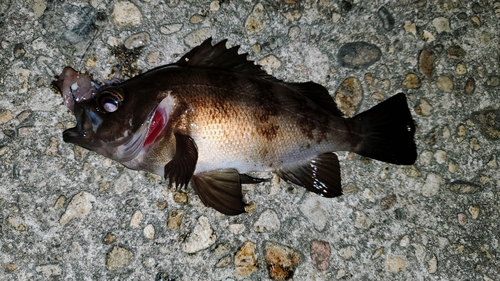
(181, 168)
(320, 175)
(221, 190)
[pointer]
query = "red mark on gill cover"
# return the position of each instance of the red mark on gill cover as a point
(154, 128)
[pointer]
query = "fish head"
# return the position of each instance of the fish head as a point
(110, 120)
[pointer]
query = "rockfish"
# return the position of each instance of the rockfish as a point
(214, 116)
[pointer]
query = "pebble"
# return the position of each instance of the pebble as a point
(171, 28)
(493, 81)
(52, 149)
(348, 252)
(441, 24)
(4, 150)
(405, 241)
(294, 32)
(474, 211)
(336, 17)
(377, 253)
(348, 96)
(462, 219)
(236, 228)
(5, 116)
(432, 184)
(470, 86)
(315, 209)
(440, 156)
(281, 261)
(423, 108)
(79, 207)
(123, 184)
(180, 197)
(476, 20)
(214, 6)
(432, 265)
(492, 164)
(388, 202)
(10, 267)
(49, 270)
(60, 202)
(455, 52)
(174, 220)
(411, 81)
(428, 37)
(126, 14)
(489, 123)
(410, 27)
(395, 264)
(196, 37)
(196, 19)
(136, 219)
(109, 238)
(256, 20)
(461, 69)
(268, 222)
(474, 144)
(386, 17)
(202, 237)
(426, 61)
(358, 55)
(445, 83)
(137, 40)
(462, 187)
(118, 258)
(16, 223)
(362, 221)
(270, 63)
(245, 261)
(149, 231)
(320, 254)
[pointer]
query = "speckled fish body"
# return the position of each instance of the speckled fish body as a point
(214, 116)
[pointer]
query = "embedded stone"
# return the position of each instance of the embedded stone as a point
(358, 55)
(411, 81)
(202, 237)
(281, 261)
(245, 260)
(426, 61)
(79, 207)
(320, 254)
(348, 96)
(118, 258)
(126, 14)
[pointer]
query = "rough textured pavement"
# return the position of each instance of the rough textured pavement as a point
(70, 214)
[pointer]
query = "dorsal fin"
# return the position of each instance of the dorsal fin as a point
(222, 58)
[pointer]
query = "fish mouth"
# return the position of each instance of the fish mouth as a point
(157, 123)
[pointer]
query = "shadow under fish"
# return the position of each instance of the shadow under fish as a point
(214, 116)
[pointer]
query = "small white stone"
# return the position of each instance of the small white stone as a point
(395, 264)
(316, 210)
(432, 265)
(405, 241)
(149, 231)
(170, 28)
(136, 219)
(440, 156)
(270, 63)
(79, 207)
(428, 37)
(202, 237)
(267, 222)
(368, 194)
(362, 220)
(236, 228)
(126, 14)
(441, 24)
(214, 6)
(431, 186)
(347, 252)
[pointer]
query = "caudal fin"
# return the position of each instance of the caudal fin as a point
(387, 131)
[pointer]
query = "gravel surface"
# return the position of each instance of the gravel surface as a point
(70, 214)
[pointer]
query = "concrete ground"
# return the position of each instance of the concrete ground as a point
(70, 214)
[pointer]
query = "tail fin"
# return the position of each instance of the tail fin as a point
(387, 131)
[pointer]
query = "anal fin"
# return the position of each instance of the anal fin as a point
(320, 175)
(221, 190)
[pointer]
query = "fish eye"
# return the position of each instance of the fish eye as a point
(109, 101)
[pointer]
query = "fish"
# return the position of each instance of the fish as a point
(213, 117)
